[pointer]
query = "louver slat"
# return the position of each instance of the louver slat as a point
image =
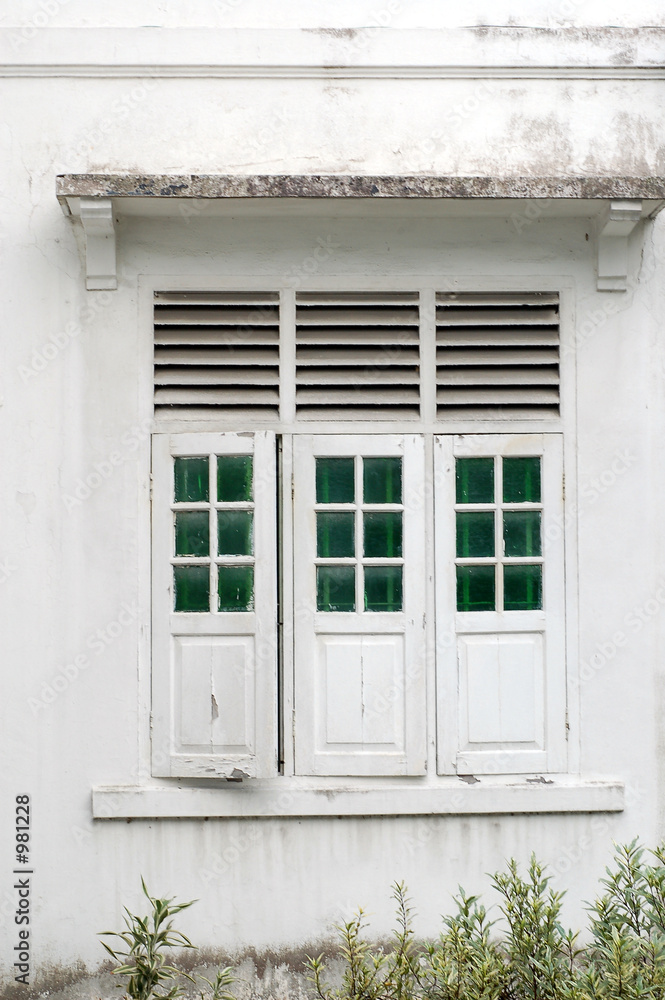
(216, 354)
(497, 355)
(357, 356)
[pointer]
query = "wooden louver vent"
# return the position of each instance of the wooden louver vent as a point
(216, 354)
(357, 356)
(497, 355)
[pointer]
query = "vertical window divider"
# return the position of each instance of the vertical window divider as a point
(360, 569)
(287, 355)
(212, 500)
(428, 356)
(498, 527)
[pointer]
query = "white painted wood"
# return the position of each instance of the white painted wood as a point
(360, 700)
(215, 674)
(501, 675)
(501, 689)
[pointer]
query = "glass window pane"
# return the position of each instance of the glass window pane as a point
(234, 478)
(335, 588)
(191, 586)
(191, 480)
(235, 531)
(475, 533)
(522, 588)
(521, 480)
(235, 588)
(192, 533)
(474, 480)
(335, 480)
(383, 588)
(475, 588)
(335, 534)
(382, 534)
(521, 532)
(382, 480)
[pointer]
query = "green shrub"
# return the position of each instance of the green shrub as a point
(143, 962)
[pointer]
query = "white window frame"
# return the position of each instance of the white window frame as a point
(288, 793)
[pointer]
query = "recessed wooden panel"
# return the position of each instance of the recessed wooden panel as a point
(215, 678)
(361, 688)
(501, 681)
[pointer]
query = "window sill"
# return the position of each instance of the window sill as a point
(255, 799)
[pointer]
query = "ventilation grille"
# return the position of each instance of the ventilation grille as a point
(497, 355)
(357, 356)
(216, 354)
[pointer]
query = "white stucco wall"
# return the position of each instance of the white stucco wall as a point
(69, 570)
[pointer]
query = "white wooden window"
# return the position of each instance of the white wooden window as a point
(215, 605)
(500, 604)
(317, 612)
(359, 598)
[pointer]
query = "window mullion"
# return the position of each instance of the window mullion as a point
(287, 356)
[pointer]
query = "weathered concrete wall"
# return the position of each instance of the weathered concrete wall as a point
(72, 573)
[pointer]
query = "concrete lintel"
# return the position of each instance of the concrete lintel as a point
(618, 223)
(220, 186)
(96, 216)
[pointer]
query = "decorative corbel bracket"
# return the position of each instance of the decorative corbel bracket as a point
(618, 223)
(99, 227)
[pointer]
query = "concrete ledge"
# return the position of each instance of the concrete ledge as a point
(353, 186)
(255, 799)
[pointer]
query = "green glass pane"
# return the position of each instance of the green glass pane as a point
(382, 534)
(383, 588)
(234, 478)
(475, 588)
(475, 533)
(382, 480)
(522, 588)
(191, 585)
(521, 480)
(192, 533)
(335, 480)
(521, 532)
(474, 480)
(235, 588)
(191, 480)
(335, 588)
(235, 532)
(335, 534)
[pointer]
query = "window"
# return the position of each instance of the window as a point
(349, 544)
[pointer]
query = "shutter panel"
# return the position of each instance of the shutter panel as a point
(214, 671)
(216, 354)
(501, 674)
(497, 355)
(357, 356)
(359, 673)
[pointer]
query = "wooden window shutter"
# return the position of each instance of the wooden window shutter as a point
(215, 671)
(501, 674)
(360, 673)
